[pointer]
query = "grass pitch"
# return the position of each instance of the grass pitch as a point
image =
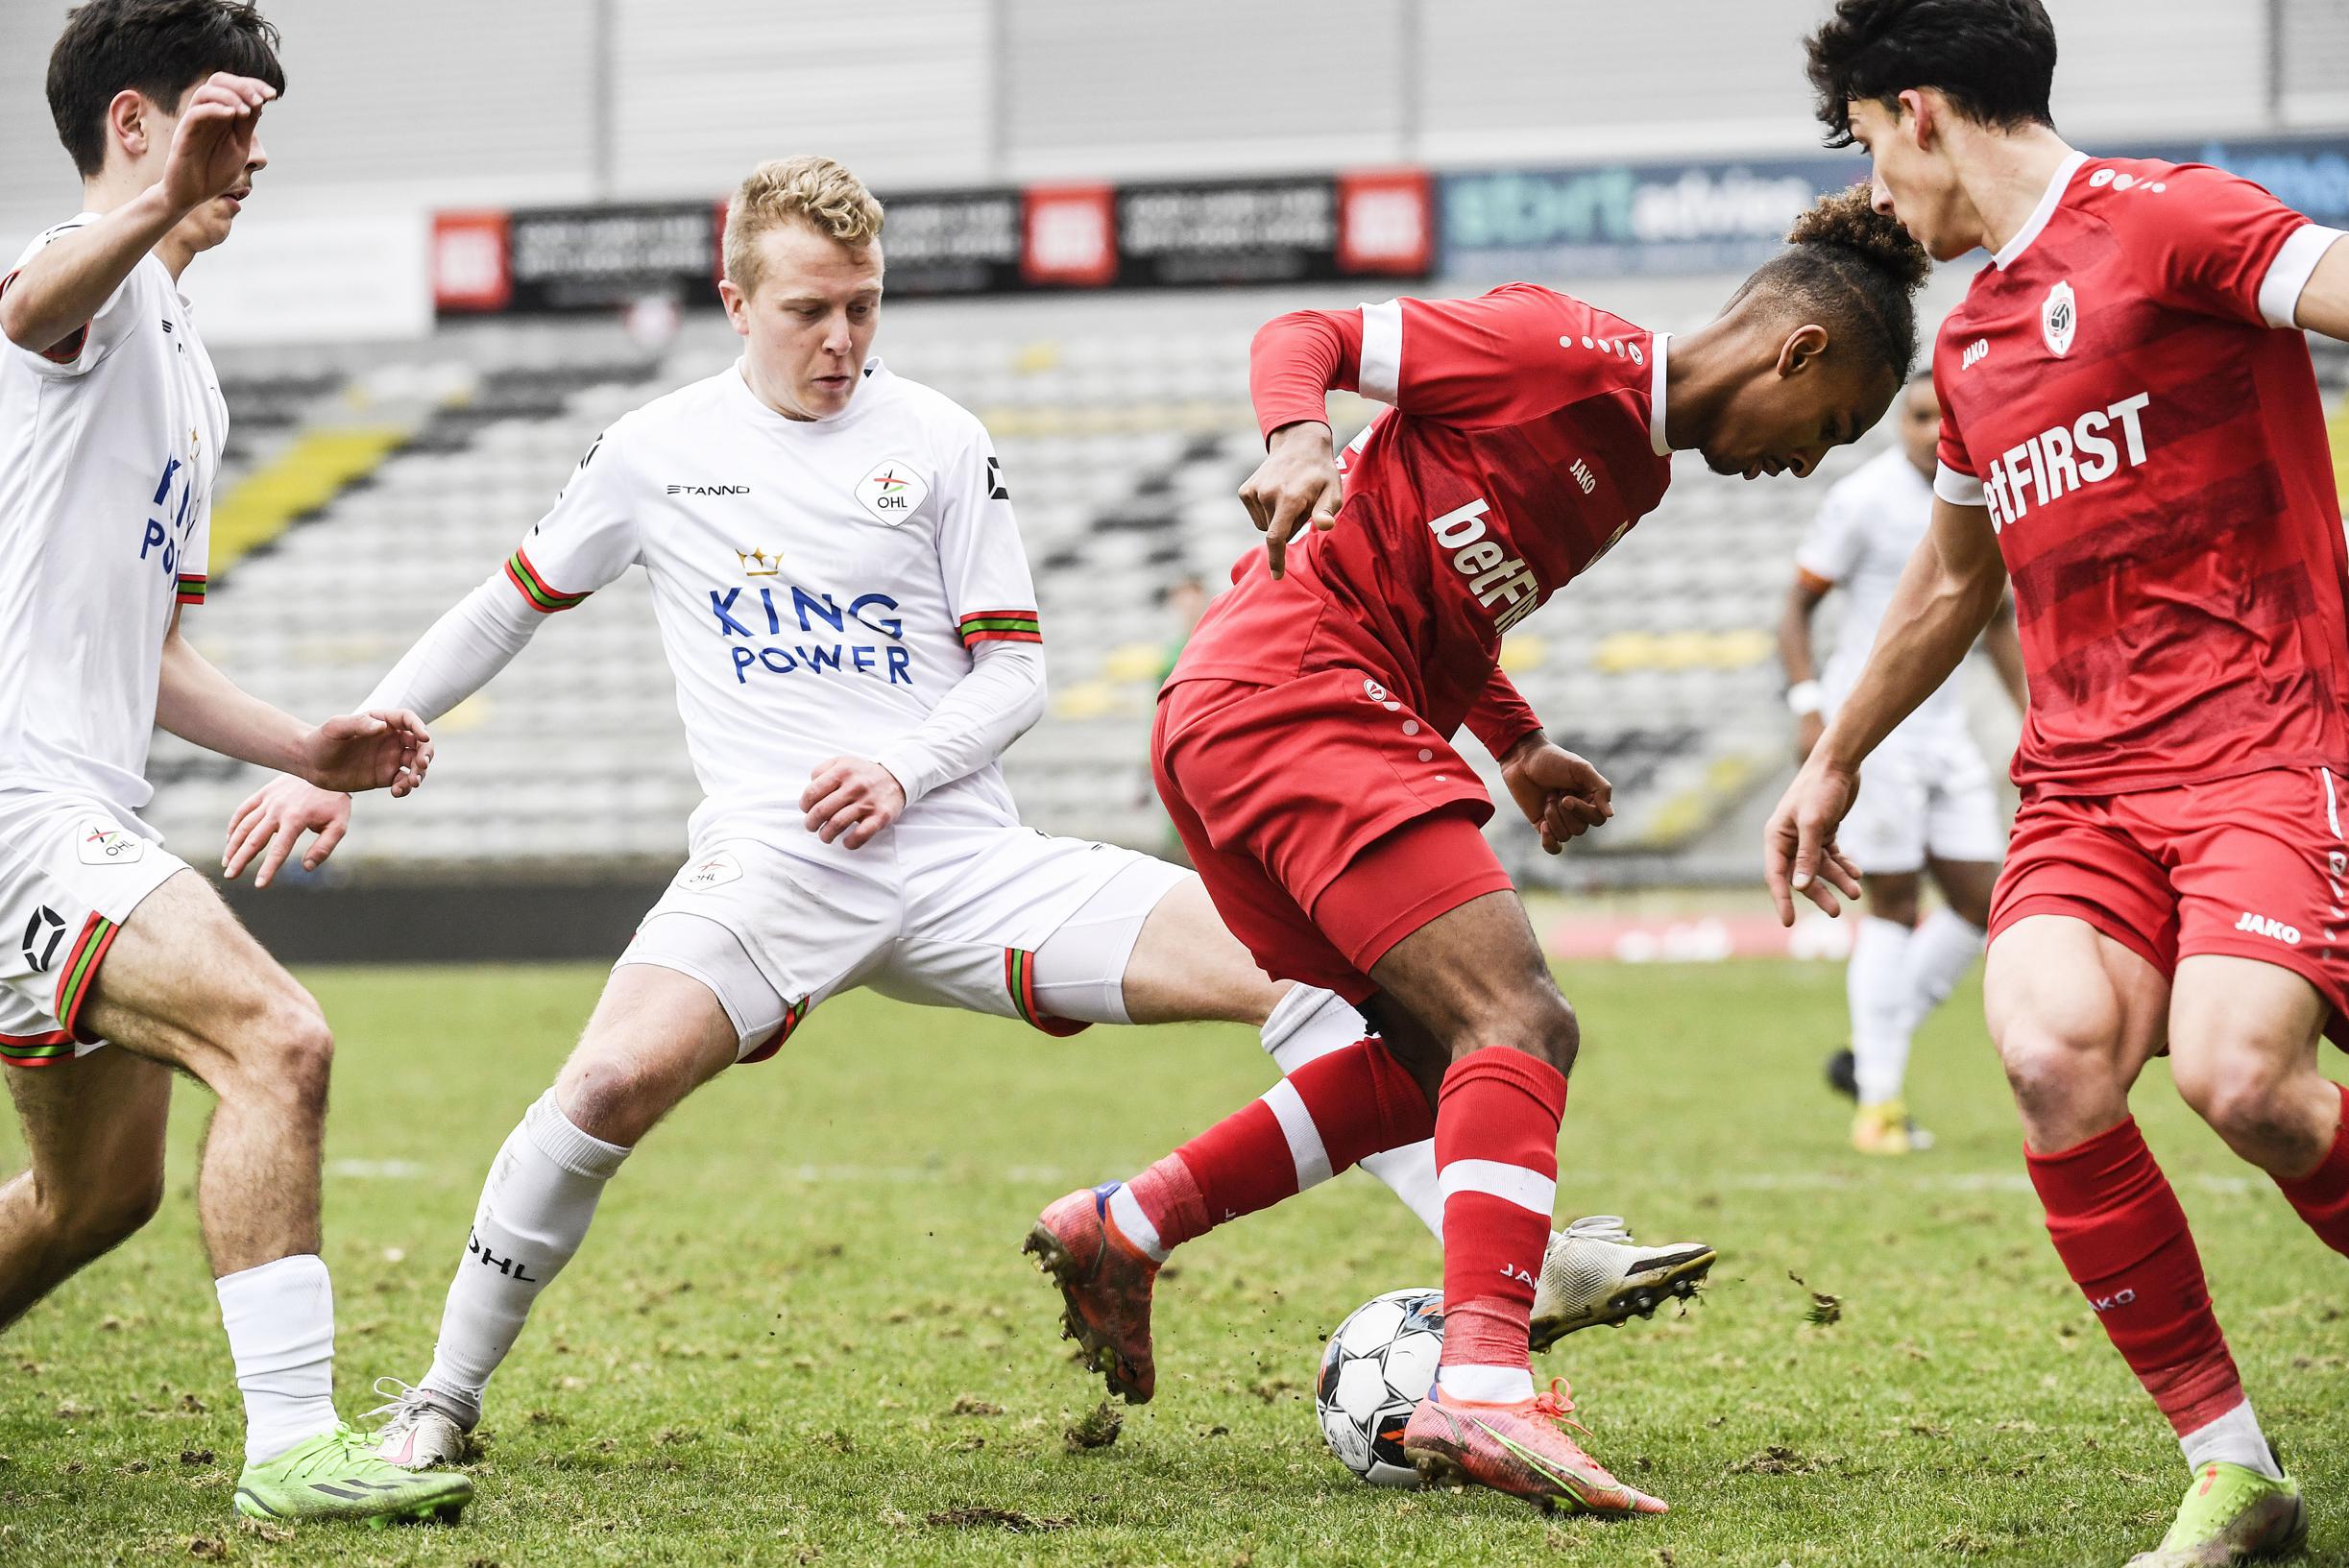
(802, 1333)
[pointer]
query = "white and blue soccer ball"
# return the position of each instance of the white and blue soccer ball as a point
(1378, 1367)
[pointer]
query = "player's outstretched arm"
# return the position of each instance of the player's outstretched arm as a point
(384, 748)
(69, 281)
(2324, 299)
(1951, 588)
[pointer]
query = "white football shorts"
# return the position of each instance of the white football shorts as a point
(946, 915)
(1924, 796)
(71, 871)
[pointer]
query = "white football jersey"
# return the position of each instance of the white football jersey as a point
(820, 584)
(106, 458)
(1871, 522)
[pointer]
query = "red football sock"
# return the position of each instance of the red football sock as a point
(1312, 1125)
(1496, 1157)
(2322, 1195)
(2120, 1233)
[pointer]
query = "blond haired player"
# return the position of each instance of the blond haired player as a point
(111, 429)
(864, 586)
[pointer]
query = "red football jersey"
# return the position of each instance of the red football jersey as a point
(1526, 434)
(2123, 389)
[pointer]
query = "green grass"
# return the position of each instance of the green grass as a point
(759, 1355)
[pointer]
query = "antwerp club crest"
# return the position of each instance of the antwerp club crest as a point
(2059, 318)
(893, 492)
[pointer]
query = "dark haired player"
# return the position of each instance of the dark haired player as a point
(1303, 751)
(2131, 429)
(110, 430)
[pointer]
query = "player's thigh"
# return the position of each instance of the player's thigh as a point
(93, 1133)
(1187, 965)
(1967, 886)
(657, 1034)
(2075, 1013)
(2240, 1029)
(183, 982)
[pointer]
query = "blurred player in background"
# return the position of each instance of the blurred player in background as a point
(1930, 804)
(111, 431)
(2131, 428)
(1304, 751)
(834, 562)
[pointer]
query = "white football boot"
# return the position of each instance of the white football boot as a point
(1595, 1273)
(422, 1429)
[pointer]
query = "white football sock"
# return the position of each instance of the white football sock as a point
(1879, 997)
(1943, 949)
(535, 1210)
(280, 1323)
(2234, 1438)
(1309, 1023)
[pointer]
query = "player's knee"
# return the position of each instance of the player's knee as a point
(615, 1096)
(1546, 1028)
(288, 1052)
(1895, 899)
(2058, 1076)
(2240, 1092)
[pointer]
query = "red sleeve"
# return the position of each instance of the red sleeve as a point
(2211, 242)
(1297, 360)
(1500, 718)
(1501, 358)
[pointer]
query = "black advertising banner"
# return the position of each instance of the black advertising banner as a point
(1227, 231)
(952, 242)
(601, 257)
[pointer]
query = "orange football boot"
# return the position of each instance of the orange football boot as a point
(1105, 1283)
(1520, 1448)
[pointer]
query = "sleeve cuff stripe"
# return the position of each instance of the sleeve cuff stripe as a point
(542, 597)
(2288, 272)
(191, 589)
(1958, 488)
(1381, 377)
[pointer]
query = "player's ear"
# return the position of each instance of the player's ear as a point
(1802, 348)
(1920, 118)
(127, 121)
(736, 303)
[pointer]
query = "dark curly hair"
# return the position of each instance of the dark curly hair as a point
(159, 48)
(1994, 60)
(1855, 271)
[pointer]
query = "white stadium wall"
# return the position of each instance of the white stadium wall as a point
(444, 103)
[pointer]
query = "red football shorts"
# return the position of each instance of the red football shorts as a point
(2252, 867)
(1327, 820)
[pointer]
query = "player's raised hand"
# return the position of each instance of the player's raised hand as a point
(1560, 793)
(851, 798)
(1296, 484)
(213, 141)
(386, 749)
(1799, 853)
(271, 822)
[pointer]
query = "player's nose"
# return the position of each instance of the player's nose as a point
(258, 159)
(1880, 194)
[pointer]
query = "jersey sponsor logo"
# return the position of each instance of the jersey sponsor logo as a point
(892, 491)
(2064, 458)
(2263, 926)
(759, 562)
(1505, 586)
(104, 844)
(709, 490)
(739, 617)
(167, 531)
(715, 871)
(1976, 353)
(43, 933)
(2059, 318)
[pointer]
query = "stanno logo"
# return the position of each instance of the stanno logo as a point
(692, 489)
(42, 934)
(1583, 476)
(1976, 353)
(2059, 318)
(2261, 925)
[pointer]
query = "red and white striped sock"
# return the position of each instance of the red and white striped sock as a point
(1496, 1157)
(1317, 1122)
(2119, 1229)
(2321, 1197)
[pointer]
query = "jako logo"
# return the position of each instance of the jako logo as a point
(1976, 353)
(1583, 476)
(2261, 925)
(2106, 1303)
(709, 490)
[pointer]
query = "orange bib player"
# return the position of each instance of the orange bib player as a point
(1304, 751)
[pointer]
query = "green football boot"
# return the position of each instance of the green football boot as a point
(2231, 1514)
(337, 1475)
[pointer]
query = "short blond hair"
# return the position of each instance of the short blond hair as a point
(809, 189)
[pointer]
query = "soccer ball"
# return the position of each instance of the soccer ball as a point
(1380, 1364)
